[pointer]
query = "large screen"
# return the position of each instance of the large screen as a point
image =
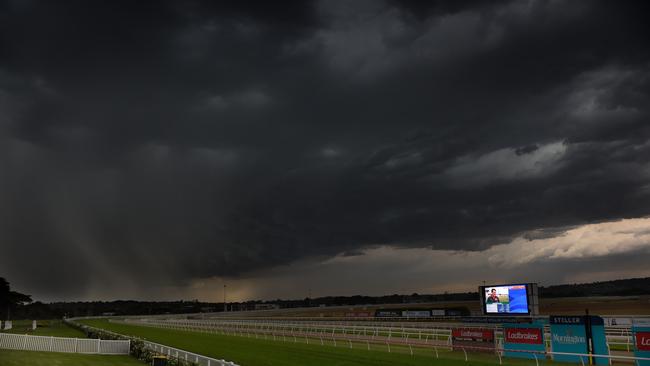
(505, 299)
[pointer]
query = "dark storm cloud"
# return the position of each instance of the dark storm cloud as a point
(155, 142)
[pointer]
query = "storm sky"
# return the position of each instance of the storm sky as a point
(159, 149)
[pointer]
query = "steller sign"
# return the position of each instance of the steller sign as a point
(524, 335)
(569, 335)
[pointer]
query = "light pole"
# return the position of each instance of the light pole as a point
(225, 307)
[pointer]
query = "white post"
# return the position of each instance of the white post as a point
(51, 340)
(76, 347)
(98, 343)
(25, 342)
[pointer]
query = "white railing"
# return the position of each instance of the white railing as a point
(292, 332)
(27, 342)
(617, 339)
(168, 351)
(186, 355)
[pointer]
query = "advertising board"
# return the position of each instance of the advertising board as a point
(641, 343)
(475, 339)
(438, 312)
(519, 338)
(569, 335)
(416, 313)
(388, 313)
(642, 340)
(358, 314)
(617, 322)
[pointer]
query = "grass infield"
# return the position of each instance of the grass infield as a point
(286, 351)
(56, 328)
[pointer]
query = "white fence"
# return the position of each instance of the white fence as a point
(59, 344)
(186, 355)
(347, 335)
(170, 351)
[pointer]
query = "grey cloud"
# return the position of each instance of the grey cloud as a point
(157, 143)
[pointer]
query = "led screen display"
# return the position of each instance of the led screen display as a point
(505, 299)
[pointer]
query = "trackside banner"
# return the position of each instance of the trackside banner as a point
(475, 339)
(641, 336)
(599, 339)
(416, 313)
(519, 338)
(569, 334)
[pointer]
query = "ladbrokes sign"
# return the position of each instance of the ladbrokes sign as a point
(473, 334)
(523, 340)
(642, 341)
(473, 338)
(524, 335)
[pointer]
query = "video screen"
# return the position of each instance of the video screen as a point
(507, 299)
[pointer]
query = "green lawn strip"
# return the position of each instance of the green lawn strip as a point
(28, 358)
(56, 328)
(249, 351)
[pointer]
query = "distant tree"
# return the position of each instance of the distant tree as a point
(10, 299)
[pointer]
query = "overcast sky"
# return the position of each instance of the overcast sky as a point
(159, 149)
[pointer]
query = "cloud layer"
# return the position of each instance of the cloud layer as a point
(157, 144)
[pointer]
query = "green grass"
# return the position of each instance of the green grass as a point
(260, 352)
(48, 328)
(27, 358)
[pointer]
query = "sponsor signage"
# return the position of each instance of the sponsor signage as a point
(358, 314)
(519, 338)
(599, 340)
(569, 335)
(642, 343)
(477, 339)
(416, 313)
(642, 340)
(388, 313)
(554, 319)
(437, 312)
(524, 335)
(618, 322)
(497, 320)
(452, 312)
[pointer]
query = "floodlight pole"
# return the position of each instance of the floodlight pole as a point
(225, 307)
